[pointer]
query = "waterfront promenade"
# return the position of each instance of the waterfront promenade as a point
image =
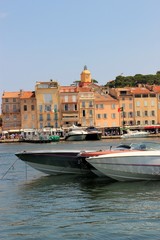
(157, 135)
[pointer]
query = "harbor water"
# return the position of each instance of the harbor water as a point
(36, 206)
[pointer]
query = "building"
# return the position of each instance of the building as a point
(11, 115)
(69, 110)
(48, 103)
(28, 110)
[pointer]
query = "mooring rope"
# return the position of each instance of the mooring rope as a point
(9, 169)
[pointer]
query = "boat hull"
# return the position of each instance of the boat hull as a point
(129, 166)
(56, 162)
(76, 137)
(93, 136)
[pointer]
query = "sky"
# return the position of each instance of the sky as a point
(54, 39)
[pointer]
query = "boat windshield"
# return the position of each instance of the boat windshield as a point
(144, 146)
(147, 146)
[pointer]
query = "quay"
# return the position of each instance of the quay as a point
(16, 140)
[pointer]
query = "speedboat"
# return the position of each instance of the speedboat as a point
(135, 134)
(93, 133)
(55, 162)
(133, 163)
(76, 134)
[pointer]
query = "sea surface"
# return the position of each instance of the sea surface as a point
(36, 206)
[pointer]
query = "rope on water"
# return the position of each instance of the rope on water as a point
(9, 169)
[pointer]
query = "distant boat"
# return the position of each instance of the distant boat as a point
(135, 134)
(93, 133)
(76, 134)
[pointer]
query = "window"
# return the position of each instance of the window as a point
(138, 113)
(14, 117)
(83, 104)
(98, 116)
(145, 95)
(6, 100)
(152, 103)
(48, 108)
(40, 117)
(113, 106)
(33, 117)
(75, 107)
(48, 117)
(7, 107)
(66, 98)
(130, 114)
(90, 104)
(90, 113)
(14, 108)
(32, 107)
(137, 95)
(101, 106)
(145, 113)
(83, 113)
(145, 103)
(14, 99)
(105, 115)
(74, 99)
(40, 108)
(153, 113)
(113, 115)
(25, 107)
(47, 98)
(66, 107)
(138, 104)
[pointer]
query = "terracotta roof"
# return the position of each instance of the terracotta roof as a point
(104, 98)
(27, 94)
(156, 89)
(139, 90)
(11, 95)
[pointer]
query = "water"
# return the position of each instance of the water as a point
(36, 206)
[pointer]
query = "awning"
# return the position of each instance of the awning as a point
(14, 131)
(152, 127)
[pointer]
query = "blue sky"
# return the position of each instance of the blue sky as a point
(53, 39)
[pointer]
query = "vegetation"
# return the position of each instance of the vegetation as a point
(133, 81)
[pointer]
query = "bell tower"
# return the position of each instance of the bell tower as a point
(85, 77)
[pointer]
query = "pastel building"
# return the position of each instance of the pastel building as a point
(11, 115)
(125, 103)
(145, 106)
(48, 102)
(69, 109)
(28, 109)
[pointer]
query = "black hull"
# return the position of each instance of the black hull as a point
(59, 162)
(93, 136)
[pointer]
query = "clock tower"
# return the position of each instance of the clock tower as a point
(85, 77)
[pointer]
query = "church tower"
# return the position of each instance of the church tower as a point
(85, 77)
